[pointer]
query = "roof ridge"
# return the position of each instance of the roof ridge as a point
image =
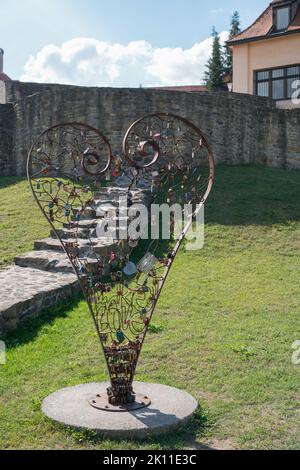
(263, 27)
(235, 38)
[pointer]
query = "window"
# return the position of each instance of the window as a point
(293, 74)
(278, 83)
(282, 18)
(278, 90)
(263, 89)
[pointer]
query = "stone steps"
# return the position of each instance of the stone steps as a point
(111, 192)
(52, 261)
(48, 244)
(44, 277)
(82, 234)
(90, 223)
(100, 246)
(25, 292)
(45, 260)
(87, 213)
(84, 224)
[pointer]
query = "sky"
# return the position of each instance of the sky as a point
(115, 42)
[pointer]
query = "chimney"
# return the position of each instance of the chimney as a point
(1, 60)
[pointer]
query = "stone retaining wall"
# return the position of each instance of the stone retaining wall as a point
(242, 129)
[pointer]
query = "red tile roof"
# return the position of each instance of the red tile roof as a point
(262, 27)
(4, 78)
(295, 25)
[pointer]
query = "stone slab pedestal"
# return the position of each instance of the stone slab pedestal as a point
(169, 408)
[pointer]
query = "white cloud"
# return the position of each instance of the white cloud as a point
(87, 61)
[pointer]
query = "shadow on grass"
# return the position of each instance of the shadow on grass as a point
(186, 436)
(6, 181)
(29, 331)
(248, 195)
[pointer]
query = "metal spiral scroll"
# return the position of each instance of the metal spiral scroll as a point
(72, 172)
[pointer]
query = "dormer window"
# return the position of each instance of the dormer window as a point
(282, 18)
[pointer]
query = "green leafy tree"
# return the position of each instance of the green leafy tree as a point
(234, 30)
(215, 73)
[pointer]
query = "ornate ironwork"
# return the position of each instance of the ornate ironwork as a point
(72, 174)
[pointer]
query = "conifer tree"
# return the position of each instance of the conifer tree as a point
(214, 76)
(234, 30)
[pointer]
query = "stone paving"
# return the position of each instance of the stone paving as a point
(44, 277)
(25, 292)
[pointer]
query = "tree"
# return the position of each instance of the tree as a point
(234, 30)
(215, 73)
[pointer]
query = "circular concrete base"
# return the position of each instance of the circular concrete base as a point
(169, 408)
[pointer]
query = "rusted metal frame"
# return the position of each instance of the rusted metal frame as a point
(127, 382)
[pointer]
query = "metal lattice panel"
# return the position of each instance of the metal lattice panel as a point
(82, 188)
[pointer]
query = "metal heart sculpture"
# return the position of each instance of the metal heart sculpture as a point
(90, 198)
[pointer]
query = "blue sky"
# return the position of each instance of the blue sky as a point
(171, 38)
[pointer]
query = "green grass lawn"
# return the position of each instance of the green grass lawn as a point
(227, 319)
(20, 219)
